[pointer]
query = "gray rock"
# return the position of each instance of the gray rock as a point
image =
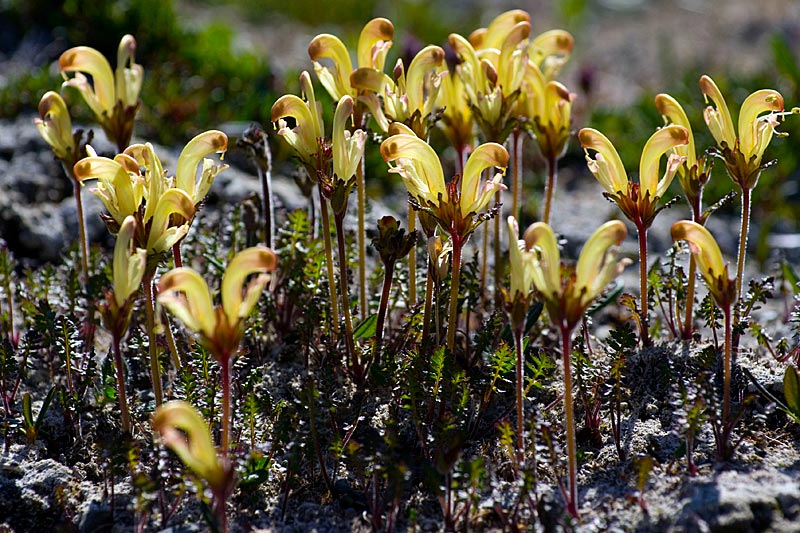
(736, 501)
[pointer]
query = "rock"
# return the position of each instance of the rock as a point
(737, 501)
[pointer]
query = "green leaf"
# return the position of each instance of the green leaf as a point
(791, 389)
(45, 407)
(367, 328)
(26, 410)
(790, 275)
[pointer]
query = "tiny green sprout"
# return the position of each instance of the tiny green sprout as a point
(568, 294)
(128, 270)
(113, 97)
(459, 206)
(742, 153)
(637, 201)
(714, 270)
(184, 431)
(31, 426)
(187, 296)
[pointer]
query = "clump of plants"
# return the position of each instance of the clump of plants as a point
(345, 380)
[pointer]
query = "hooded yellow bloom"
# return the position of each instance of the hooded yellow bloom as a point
(373, 45)
(55, 126)
(694, 173)
(455, 205)
(456, 118)
(637, 200)
(492, 68)
(309, 130)
(706, 253)
(521, 261)
(184, 431)
(129, 262)
(742, 153)
(547, 105)
(568, 293)
(134, 183)
(410, 98)
(187, 296)
(113, 97)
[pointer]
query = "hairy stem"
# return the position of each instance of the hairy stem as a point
(518, 332)
(516, 172)
(572, 452)
(383, 309)
(453, 319)
(426, 314)
(550, 189)
(76, 187)
(338, 220)
(412, 260)
(642, 233)
(121, 391)
(155, 369)
(225, 377)
(742, 241)
(361, 238)
(326, 234)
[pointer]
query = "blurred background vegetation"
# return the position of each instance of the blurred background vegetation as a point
(213, 62)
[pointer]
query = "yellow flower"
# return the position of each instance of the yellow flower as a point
(521, 261)
(493, 73)
(373, 45)
(568, 294)
(694, 173)
(348, 148)
(742, 153)
(549, 51)
(124, 189)
(548, 107)
(456, 204)
(456, 120)
(309, 129)
(55, 126)
(410, 98)
(708, 256)
(637, 201)
(112, 97)
(184, 431)
(187, 296)
(129, 262)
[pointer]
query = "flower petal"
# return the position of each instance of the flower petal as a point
(673, 113)
(485, 156)
(331, 47)
(706, 253)
(547, 265)
(661, 142)
(718, 120)
(750, 126)
(417, 164)
(550, 51)
(122, 200)
(195, 150)
(596, 268)
(258, 259)
(185, 293)
(173, 201)
(185, 432)
(129, 263)
(606, 166)
(128, 79)
(55, 126)
(428, 59)
(374, 43)
(90, 61)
